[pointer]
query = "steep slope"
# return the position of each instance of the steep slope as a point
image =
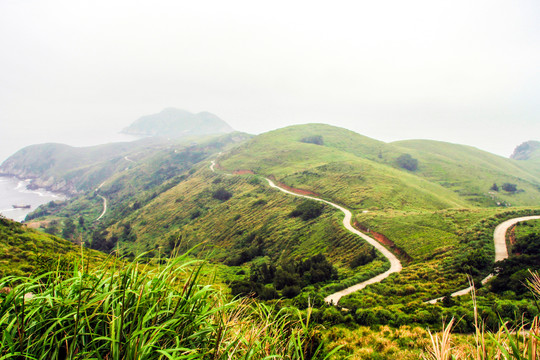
(471, 172)
(25, 251)
(255, 221)
(143, 175)
(176, 123)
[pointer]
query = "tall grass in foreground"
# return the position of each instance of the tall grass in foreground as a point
(130, 311)
(520, 343)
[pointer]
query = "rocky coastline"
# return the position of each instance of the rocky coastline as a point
(48, 183)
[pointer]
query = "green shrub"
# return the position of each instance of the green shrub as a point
(307, 210)
(509, 187)
(406, 161)
(221, 194)
(314, 139)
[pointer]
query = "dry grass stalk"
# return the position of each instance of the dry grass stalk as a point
(441, 348)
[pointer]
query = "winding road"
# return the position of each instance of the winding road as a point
(395, 264)
(499, 238)
(501, 252)
(104, 207)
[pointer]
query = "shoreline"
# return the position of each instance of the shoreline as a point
(15, 191)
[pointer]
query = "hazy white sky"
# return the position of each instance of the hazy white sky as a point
(459, 71)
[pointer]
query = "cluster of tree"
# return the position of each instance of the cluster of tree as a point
(265, 280)
(417, 313)
(513, 272)
(221, 194)
(406, 161)
(307, 210)
(101, 242)
(314, 139)
(508, 187)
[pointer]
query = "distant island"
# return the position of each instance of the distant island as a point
(177, 123)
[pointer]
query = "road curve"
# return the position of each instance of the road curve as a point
(501, 252)
(104, 207)
(395, 264)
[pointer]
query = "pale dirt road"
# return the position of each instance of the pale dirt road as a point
(501, 252)
(395, 264)
(104, 207)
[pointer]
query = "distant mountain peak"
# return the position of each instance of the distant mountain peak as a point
(176, 123)
(525, 150)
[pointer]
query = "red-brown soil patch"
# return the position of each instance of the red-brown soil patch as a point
(294, 190)
(402, 254)
(511, 237)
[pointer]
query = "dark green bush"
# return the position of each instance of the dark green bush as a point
(221, 194)
(406, 161)
(307, 210)
(314, 139)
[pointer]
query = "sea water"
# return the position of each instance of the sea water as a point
(15, 192)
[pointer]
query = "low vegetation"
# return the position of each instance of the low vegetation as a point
(289, 278)
(130, 311)
(24, 251)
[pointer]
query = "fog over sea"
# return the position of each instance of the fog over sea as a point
(15, 192)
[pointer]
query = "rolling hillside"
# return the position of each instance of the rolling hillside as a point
(359, 177)
(73, 170)
(25, 251)
(471, 172)
(143, 174)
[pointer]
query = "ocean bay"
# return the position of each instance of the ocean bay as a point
(14, 191)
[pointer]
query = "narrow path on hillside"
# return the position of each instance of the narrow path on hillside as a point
(104, 207)
(501, 252)
(395, 264)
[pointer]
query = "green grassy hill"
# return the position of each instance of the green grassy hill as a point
(254, 224)
(25, 251)
(326, 160)
(471, 172)
(347, 168)
(144, 175)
